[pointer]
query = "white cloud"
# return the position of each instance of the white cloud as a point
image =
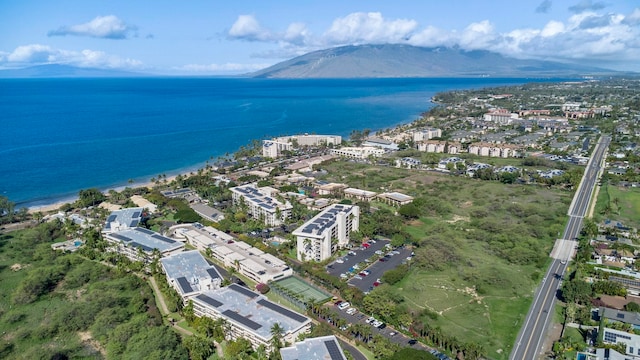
(37, 54)
(369, 28)
(248, 28)
(107, 27)
(587, 34)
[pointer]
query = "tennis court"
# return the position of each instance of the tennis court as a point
(300, 290)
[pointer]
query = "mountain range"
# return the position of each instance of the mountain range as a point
(367, 61)
(394, 60)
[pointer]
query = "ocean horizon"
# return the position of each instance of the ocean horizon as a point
(63, 135)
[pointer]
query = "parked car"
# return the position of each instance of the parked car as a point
(344, 305)
(358, 277)
(369, 320)
(352, 253)
(413, 342)
(351, 311)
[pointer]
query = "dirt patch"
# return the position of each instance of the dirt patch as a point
(18, 267)
(466, 204)
(87, 339)
(457, 218)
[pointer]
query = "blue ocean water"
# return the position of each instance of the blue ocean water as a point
(62, 135)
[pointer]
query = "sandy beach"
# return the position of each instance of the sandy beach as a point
(47, 208)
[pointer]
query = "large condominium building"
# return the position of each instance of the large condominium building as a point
(244, 258)
(123, 219)
(250, 315)
(138, 244)
(318, 348)
(320, 237)
(357, 152)
(273, 148)
(260, 204)
(426, 134)
(190, 274)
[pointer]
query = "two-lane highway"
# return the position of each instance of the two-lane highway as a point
(529, 343)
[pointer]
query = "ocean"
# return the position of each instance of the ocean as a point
(62, 135)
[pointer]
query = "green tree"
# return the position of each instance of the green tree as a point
(200, 348)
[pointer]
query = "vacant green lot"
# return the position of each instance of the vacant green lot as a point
(482, 247)
(620, 203)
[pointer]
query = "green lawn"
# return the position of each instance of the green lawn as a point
(624, 205)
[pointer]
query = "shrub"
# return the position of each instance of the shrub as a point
(262, 288)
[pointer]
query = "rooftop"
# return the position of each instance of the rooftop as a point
(123, 219)
(250, 310)
(146, 240)
(190, 270)
(319, 348)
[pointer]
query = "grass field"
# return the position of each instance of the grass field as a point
(483, 247)
(623, 204)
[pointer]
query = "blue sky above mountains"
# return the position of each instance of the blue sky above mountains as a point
(220, 37)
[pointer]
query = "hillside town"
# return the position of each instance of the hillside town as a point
(286, 245)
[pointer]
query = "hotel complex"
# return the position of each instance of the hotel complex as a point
(138, 244)
(260, 203)
(123, 219)
(273, 148)
(320, 237)
(249, 261)
(250, 315)
(190, 274)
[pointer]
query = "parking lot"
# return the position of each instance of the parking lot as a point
(391, 260)
(336, 268)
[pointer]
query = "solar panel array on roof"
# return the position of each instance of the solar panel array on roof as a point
(120, 237)
(184, 284)
(280, 310)
(243, 290)
(241, 319)
(146, 231)
(138, 245)
(111, 218)
(208, 300)
(213, 273)
(334, 350)
(135, 214)
(134, 223)
(162, 238)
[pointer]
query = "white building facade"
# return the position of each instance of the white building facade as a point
(320, 237)
(261, 205)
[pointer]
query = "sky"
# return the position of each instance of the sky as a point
(216, 37)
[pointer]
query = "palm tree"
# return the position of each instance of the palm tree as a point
(276, 341)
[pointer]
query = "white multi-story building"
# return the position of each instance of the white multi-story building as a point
(138, 244)
(250, 315)
(244, 258)
(357, 152)
(273, 148)
(261, 205)
(320, 237)
(323, 347)
(190, 274)
(123, 219)
(426, 134)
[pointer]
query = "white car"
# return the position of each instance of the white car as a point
(351, 311)
(340, 261)
(343, 305)
(369, 320)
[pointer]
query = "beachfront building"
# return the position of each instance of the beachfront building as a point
(190, 274)
(438, 146)
(359, 195)
(138, 244)
(250, 315)
(275, 147)
(395, 198)
(380, 143)
(362, 152)
(321, 348)
(122, 220)
(249, 261)
(500, 116)
(320, 237)
(261, 204)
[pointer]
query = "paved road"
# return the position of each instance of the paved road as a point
(529, 343)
